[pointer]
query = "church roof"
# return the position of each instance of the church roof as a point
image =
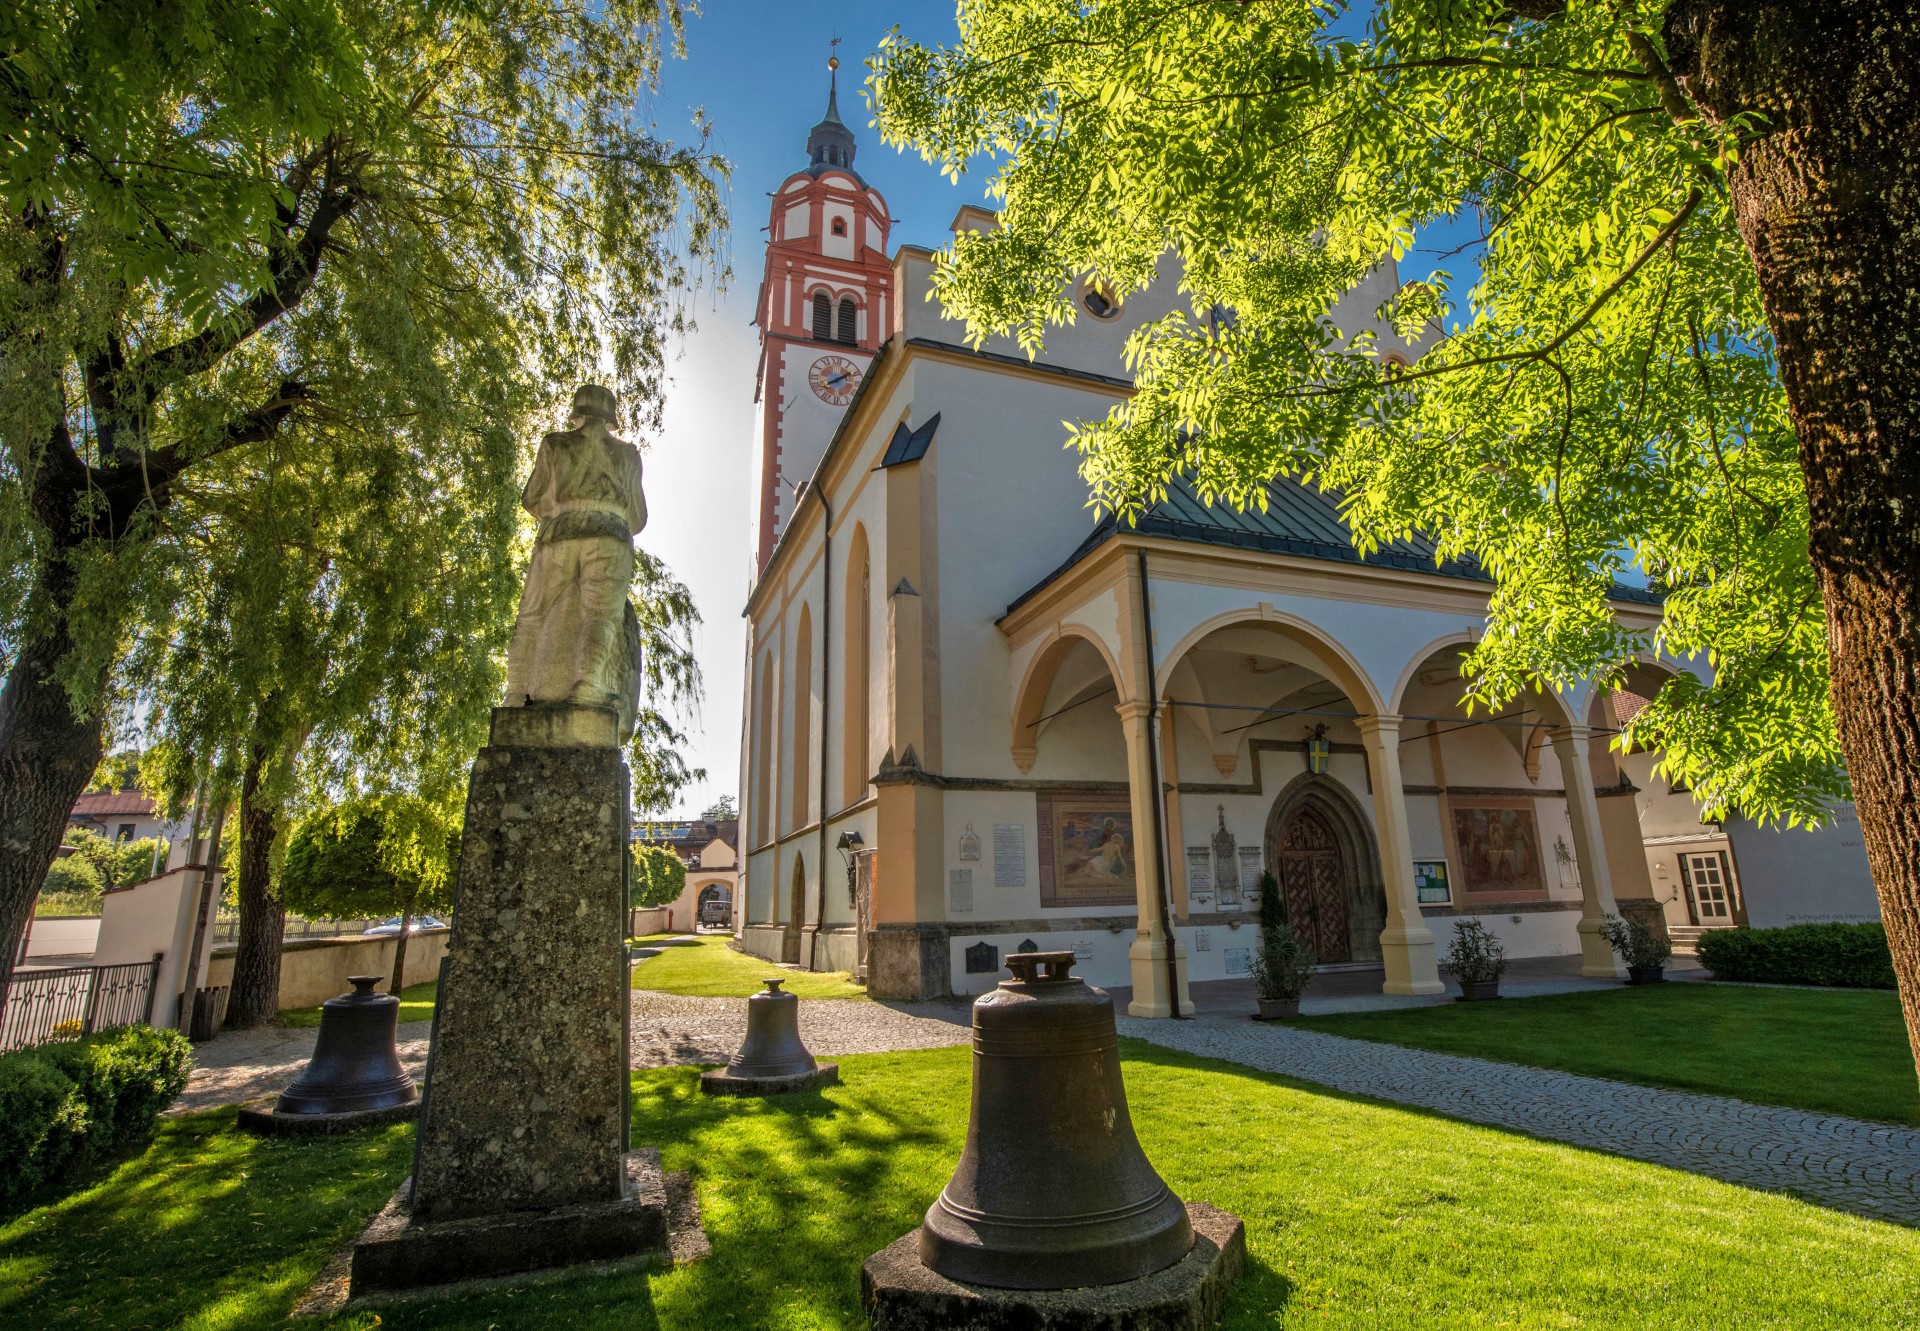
(830, 146)
(1298, 520)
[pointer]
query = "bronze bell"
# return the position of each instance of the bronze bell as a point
(772, 1047)
(355, 1064)
(1052, 1191)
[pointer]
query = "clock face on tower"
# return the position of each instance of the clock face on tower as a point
(834, 378)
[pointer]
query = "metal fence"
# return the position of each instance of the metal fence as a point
(226, 928)
(65, 1004)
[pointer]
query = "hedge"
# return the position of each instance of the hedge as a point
(1848, 956)
(65, 1105)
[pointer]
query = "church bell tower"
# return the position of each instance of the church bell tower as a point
(825, 306)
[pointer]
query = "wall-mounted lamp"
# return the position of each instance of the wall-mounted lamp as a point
(849, 844)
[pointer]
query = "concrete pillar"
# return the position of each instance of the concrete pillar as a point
(1589, 846)
(1152, 992)
(1406, 944)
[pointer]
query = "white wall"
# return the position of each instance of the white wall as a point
(1804, 876)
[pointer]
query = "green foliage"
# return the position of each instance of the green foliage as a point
(1848, 956)
(1273, 908)
(1475, 956)
(1283, 963)
(1602, 402)
(721, 809)
(64, 1106)
(72, 876)
(1637, 945)
(659, 877)
(669, 685)
(368, 859)
(286, 295)
(116, 863)
(117, 771)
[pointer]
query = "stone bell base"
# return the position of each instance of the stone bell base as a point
(719, 1082)
(259, 1116)
(900, 1294)
(394, 1253)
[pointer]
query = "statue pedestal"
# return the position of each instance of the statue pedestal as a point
(524, 1126)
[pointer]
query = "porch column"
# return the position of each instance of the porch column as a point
(1589, 846)
(1406, 944)
(1148, 955)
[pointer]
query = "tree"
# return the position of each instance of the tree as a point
(229, 225)
(116, 863)
(720, 810)
(360, 859)
(659, 877)
(1686, 348)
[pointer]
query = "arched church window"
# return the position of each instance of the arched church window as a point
(822, 316)
(848, 321)
(839, 226)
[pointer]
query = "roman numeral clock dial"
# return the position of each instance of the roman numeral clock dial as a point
(833, 379)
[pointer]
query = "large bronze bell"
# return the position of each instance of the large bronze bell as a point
(1052, 1191)
(772, 1047)
(355, 1064)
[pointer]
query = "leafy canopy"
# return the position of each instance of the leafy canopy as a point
(659, 876)
(1597, 400)
(360, 860)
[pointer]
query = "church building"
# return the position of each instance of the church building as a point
(978, 720)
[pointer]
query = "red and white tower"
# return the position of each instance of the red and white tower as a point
(824, 306)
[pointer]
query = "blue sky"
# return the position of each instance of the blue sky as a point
(759, 71)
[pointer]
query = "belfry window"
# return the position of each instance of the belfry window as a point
(822, 316)
(848, 318)
(839, 226)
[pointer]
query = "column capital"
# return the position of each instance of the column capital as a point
(1378, 723)
(1134, 709)
(1574, 736)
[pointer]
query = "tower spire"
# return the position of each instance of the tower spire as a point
(831, 145)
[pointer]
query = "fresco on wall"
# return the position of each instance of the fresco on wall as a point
(1499, 846)
(1086, 852)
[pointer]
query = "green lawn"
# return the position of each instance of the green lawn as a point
(1840, 1051)
(416, 1004)
(711, 969)
(1358, 1215)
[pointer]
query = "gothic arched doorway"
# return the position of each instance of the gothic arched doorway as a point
(1322, 853)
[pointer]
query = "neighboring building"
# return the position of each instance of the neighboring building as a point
(991, 713)
(120, 815)
(709, 849)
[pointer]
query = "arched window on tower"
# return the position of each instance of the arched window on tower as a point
(822, 316)
(849, 318)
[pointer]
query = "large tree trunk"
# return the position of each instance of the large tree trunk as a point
(255, 997)
(47, 756)
(1827, 198)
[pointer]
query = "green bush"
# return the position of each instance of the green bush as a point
(1846, 956)
(66, 1105)
(72, 876)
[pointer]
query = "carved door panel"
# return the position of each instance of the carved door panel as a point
(1313, 883)
(863, 905)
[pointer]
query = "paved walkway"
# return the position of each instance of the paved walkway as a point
(1870, 1169)
(245, 1065)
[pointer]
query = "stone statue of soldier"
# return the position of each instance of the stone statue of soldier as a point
(577, 639)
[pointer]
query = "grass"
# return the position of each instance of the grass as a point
(1358, 1215)
(1839, 1051)
(416, 1004)
(711, 969)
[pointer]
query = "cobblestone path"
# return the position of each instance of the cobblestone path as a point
(1869, 1169)
(670, 1028)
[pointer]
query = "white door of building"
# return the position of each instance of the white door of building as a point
(1706, 879)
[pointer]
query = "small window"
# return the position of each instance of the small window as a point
(849, 318)
(125, 833)
(839, 226)
(822, 316)
(1394, 364)
(1099, 300)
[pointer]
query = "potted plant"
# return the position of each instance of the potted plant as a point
(1645, 952)
(1476, 960)
(1283, 963)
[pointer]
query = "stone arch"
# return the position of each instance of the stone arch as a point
(1417, 662)
(1340, 812)
(1031, 697)
(857, 680)
(1324, 654)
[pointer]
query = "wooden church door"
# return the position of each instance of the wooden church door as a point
(1313, 883)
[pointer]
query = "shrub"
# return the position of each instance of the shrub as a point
(1847, 956)
(1640, 947)
(1283, 963)
(74, 878)
(64, 1106)
(1476, 956)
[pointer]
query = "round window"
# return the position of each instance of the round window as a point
(1099, 300)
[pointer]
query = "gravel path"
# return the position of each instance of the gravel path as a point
(1869, 1169)
(667, 1030)
(670, 1029)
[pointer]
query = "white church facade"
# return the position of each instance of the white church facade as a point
(978, 720)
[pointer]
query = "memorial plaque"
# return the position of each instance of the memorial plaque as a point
(983, 958)
(1236, 959)
(969, 845)
(1199, 871)
(1202, 941)
(1082, 950)
(960, 890)
(1251, 867)
(1009, 855)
